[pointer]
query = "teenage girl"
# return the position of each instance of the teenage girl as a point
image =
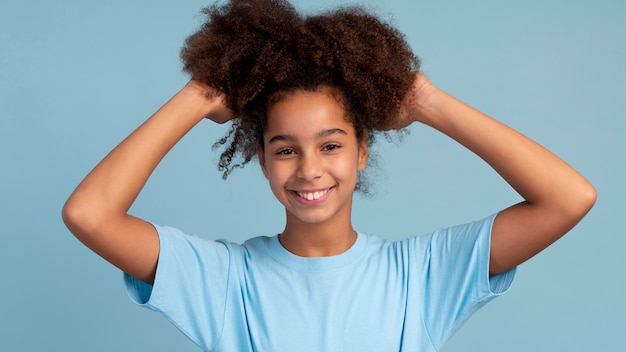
(307, 96)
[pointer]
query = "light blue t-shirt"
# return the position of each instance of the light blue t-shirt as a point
(407, 295)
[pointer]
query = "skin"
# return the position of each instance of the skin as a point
(310, 147)
(555, 196)
(97, 211)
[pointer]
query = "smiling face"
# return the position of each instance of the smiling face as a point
(311, 157)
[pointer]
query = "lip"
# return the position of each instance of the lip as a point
(302, 196)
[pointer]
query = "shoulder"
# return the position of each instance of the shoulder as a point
(444, 239)
(462, 234)
(176, 243)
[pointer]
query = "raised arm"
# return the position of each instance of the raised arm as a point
(97, 211)
(556, 197)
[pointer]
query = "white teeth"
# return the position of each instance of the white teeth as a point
(312, 195)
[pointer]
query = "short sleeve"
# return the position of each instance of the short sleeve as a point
(457, 281)
(190, 286)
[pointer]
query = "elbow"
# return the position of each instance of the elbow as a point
(80, 219)
(72, 216)
(584, 200)
(589, 195)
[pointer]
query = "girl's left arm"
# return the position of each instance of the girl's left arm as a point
(556, 197)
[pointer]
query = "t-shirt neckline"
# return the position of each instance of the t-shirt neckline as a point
(286, 258)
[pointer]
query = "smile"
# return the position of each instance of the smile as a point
(313, 195)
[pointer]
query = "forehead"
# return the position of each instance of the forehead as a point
(308, 111)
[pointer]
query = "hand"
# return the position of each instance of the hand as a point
(216, 109)
(555, 196)
(414, 102)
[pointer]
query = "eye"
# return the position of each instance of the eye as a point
(331, 147)
(285, 151)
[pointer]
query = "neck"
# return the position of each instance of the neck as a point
(318, 239)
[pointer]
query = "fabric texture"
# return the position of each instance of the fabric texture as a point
(380, 295)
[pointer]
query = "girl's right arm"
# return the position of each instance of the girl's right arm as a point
(97, 211)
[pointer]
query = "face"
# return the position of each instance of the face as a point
(311, 156)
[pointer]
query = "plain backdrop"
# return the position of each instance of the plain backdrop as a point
(76, 76)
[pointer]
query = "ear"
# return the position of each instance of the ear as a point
(260, 155)
(363, 151)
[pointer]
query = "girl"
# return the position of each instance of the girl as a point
(307, 96)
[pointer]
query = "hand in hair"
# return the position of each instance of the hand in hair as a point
(415, 99)
(555, 196)
(97, 211)
(220, 114)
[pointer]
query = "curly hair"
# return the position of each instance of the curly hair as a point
(255, 51)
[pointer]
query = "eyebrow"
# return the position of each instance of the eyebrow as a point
(321, 134)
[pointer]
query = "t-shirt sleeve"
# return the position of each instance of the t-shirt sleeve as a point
(190, 286)
(457, 277)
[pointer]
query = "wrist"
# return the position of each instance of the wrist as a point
(427, 105)
(200, 100)
(423, 100)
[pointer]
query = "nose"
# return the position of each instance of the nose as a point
(309, 167)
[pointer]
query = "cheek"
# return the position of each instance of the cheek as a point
(278, 192)
(278, 180)
(277, 175)
(345, 168)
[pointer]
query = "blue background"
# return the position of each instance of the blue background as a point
(77, 76)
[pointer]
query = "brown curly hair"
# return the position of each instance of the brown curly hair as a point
(254, 51)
